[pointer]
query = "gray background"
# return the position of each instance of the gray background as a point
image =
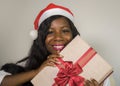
(97, 20)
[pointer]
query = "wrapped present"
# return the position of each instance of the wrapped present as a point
(77, 53)
(93, 65)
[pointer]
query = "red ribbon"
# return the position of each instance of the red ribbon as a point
(68, 74)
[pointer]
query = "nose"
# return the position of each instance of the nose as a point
(58, 37)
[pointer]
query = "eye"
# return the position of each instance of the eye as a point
(66, 30)
(50, 32)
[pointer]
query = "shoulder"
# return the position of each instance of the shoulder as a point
(3, 74)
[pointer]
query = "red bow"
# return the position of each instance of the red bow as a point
(68, 74)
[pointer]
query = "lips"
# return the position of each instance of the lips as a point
(58, 47)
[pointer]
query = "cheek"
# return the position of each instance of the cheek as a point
(48, 45)
(69, 37)
(47, 41)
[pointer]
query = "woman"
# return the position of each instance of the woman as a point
(55, 30)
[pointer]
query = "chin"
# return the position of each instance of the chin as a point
(54, 52)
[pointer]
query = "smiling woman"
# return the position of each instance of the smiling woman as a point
(59, 35)
(54, 29)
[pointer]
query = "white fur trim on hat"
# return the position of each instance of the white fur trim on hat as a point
(34, 34)
(55, 11)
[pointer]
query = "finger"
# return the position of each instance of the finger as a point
(53, 56)
(54, 60)
(87, 83)
(58, 51)
(51, 64)
(94, 82)
(51, 61)
(61, 56)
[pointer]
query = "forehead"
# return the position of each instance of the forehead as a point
(60, 22)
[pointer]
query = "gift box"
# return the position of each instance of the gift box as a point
(81, 53)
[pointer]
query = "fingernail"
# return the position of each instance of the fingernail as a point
(91, 78)
(61, 55)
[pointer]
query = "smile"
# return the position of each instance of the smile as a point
(58, 47)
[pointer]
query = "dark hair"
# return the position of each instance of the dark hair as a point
(12, 68)
(38, 53)
(15, 69)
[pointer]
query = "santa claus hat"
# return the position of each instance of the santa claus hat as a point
(49, 11)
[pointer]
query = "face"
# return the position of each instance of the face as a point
(59, 35)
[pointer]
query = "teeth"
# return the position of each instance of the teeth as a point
(58, 47)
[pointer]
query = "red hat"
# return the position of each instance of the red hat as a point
(51, 10)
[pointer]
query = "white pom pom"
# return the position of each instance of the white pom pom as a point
(33, 34)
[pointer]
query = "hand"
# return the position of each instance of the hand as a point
(92, 82)
(52, 60)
